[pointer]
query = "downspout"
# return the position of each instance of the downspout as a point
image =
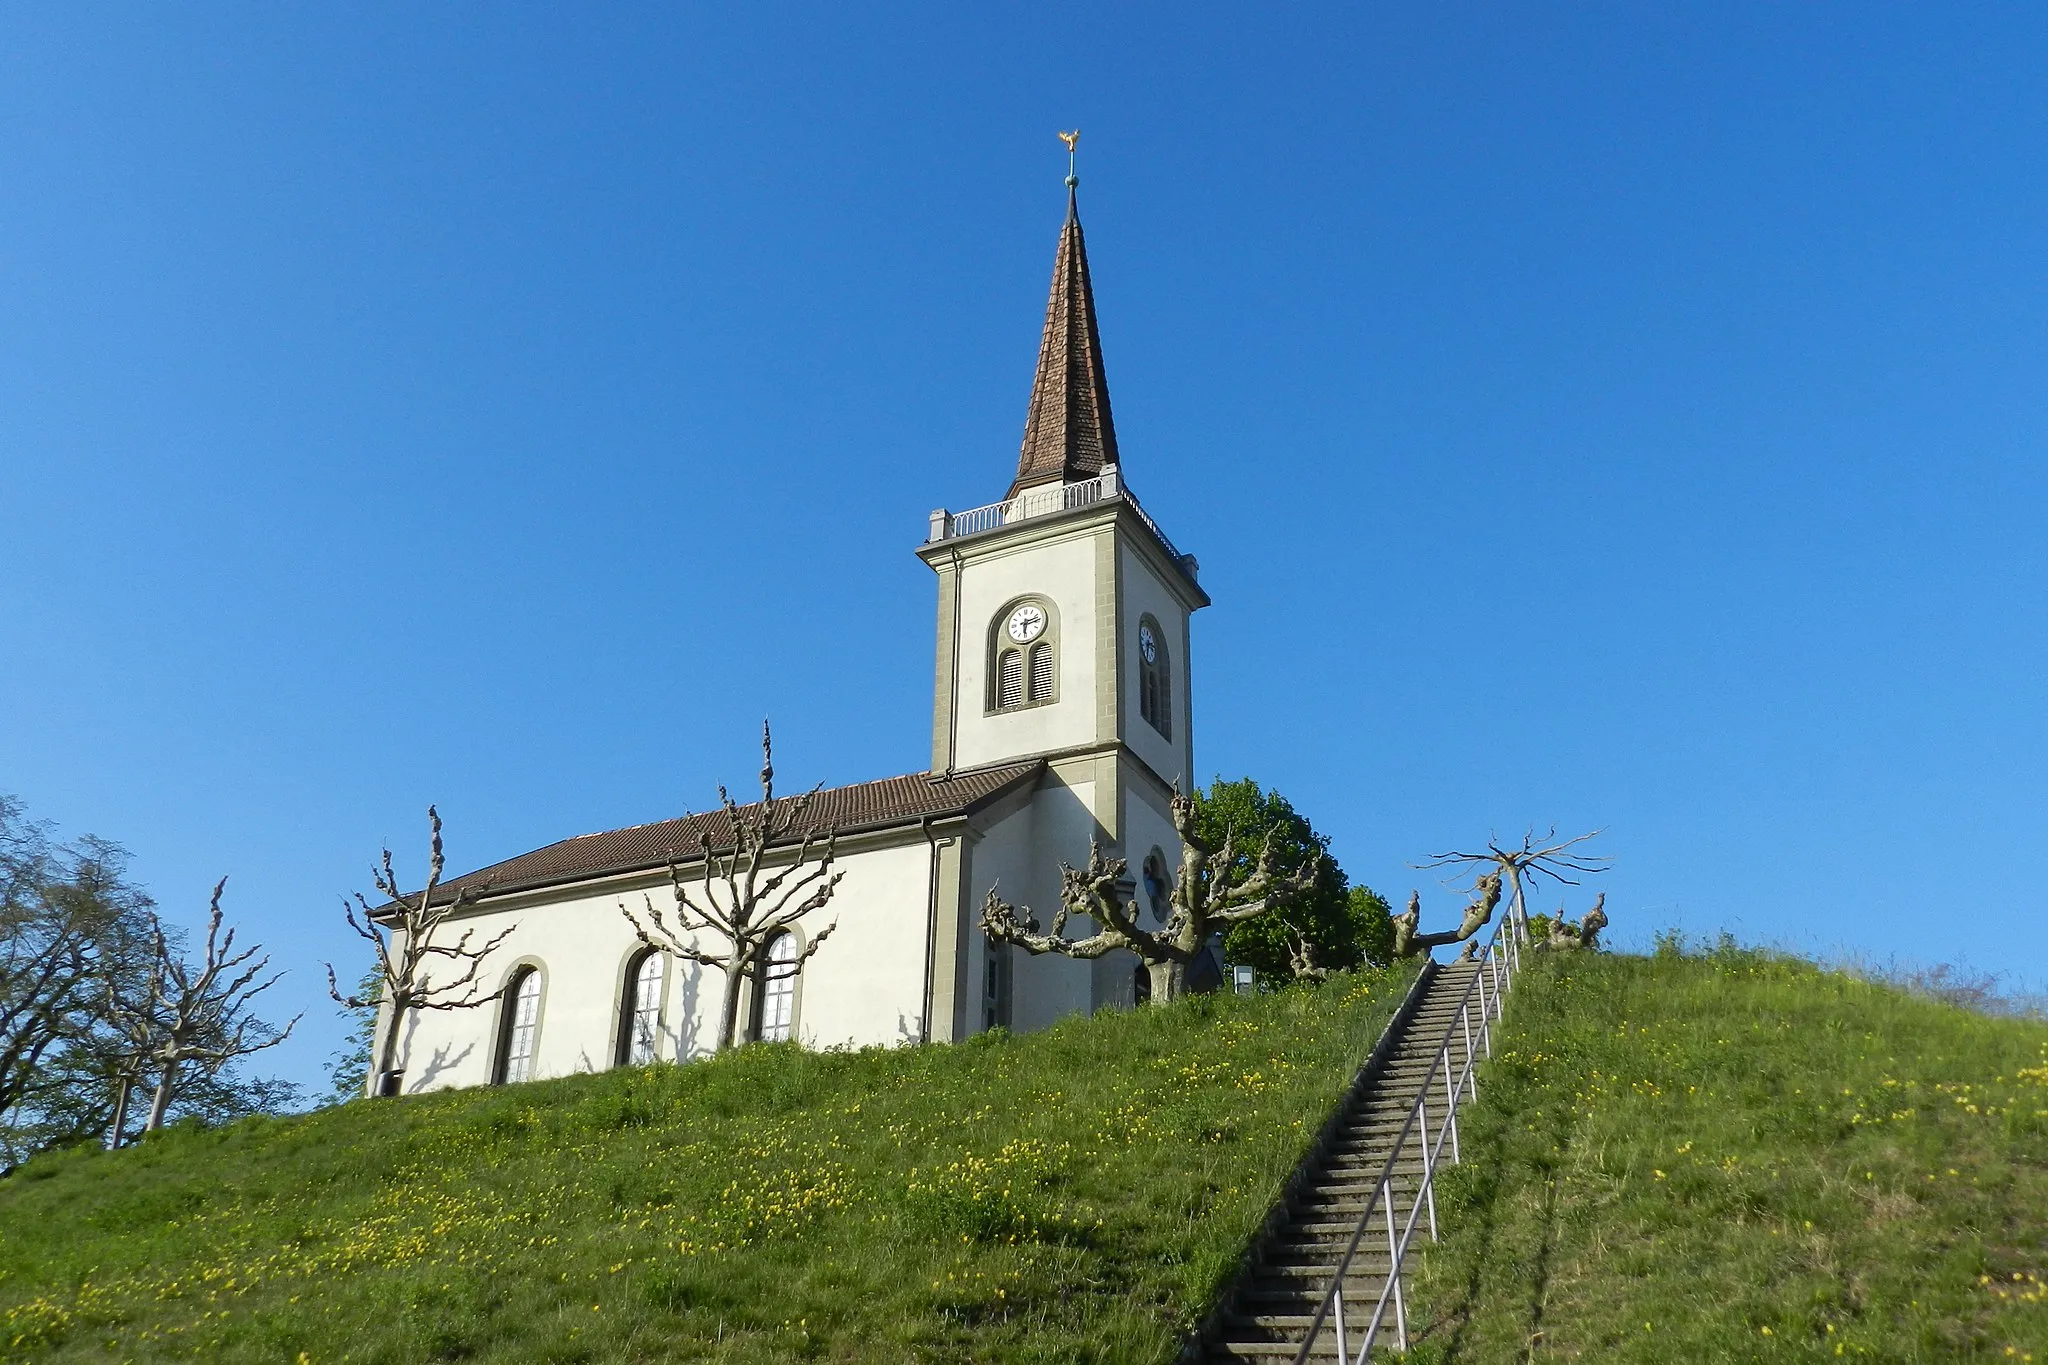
(931, 933)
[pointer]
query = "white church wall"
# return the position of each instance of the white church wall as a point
(1020, 855)
(864, 986)
(1063, 571)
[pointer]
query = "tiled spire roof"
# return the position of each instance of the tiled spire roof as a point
(1068, 435)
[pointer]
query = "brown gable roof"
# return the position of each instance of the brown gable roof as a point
(862, 806)
(1068, 434)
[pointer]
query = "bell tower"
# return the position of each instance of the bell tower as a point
(1063, 609)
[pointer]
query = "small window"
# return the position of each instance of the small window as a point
(521, 1032)
(1024, 655)
(778, 989)
(641, 1035)
(995, 994)
(1155, 678)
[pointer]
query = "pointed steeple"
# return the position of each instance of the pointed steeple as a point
(1068, 435)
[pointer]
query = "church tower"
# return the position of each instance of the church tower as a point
(1063, 624)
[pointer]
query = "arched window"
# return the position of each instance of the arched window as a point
(1024, 655)
(1158, 886)
(777, 993)
(1155, 678)
(640, 1015)
(519, 1031)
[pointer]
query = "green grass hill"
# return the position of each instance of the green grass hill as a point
(1726, 1157)
(1074, 1195)
(1739, 1157)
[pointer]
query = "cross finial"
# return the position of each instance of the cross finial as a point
(1070, 139)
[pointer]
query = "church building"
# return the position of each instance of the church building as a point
(1060, 713)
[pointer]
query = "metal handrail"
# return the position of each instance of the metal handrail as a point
(1498, 964)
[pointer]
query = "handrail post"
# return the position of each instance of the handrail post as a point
(1394, 1271)
(1339, 1315)
(1465, 1023)
(1451, 1117)
(1428, 1192)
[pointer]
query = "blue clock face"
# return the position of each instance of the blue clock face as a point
(1148, 646)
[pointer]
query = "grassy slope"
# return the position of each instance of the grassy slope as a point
(1074, 1195)
(1736, 1157)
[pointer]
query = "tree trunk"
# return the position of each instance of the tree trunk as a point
(1519, 909)
(387, 1053)
(735, 981)
(122, 1090)
(1169, 981)
(161, 1102)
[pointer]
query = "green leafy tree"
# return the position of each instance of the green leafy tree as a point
(75, 933)
(348, 1068)
(1339, 925)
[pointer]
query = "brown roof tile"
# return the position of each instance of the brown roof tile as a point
(862, 806)
(1068, 434)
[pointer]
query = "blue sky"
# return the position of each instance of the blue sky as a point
(1611, 416)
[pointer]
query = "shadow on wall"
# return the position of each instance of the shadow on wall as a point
(688, 1033)
(440, 1062)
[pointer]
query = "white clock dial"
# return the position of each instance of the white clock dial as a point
(1027, 623)
(1148, 646)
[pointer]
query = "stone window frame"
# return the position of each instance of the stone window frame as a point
(1155, 867)
(508, 1011)
(999, 644)
(757, 987)
(1155, 679)
(631, 1006)
(999, 985)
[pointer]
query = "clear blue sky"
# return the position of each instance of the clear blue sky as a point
(1626, 416)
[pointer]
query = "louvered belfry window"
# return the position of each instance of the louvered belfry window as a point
(1024, 655)
(1010, 687)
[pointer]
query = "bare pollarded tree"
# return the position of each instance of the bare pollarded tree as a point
(1478, 914)
(1563, 936)
(1205, 899)
(1499, 867)
(194, 1014)
(402, 934)
(745, 896)
(1524, 869)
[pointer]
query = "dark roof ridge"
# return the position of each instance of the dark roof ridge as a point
(857, 807)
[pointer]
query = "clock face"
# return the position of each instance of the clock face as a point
(1148, 646)
(1027, 623)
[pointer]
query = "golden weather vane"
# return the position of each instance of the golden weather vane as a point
(1070, 139)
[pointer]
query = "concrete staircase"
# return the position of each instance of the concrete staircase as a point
(1267, 1313)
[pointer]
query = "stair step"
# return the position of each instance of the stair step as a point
(1358, 1175)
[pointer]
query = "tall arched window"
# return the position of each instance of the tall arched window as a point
(777, 994)
(1024, 655)
(1155, 678)
(519, 1033)
(640, 1015)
